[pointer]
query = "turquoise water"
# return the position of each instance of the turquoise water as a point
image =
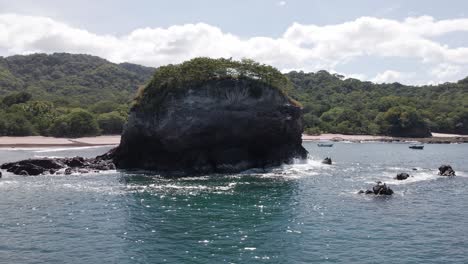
(302, 213)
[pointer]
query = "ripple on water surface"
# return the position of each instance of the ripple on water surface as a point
(305, 212)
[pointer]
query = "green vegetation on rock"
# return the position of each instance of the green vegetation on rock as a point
(176, 79)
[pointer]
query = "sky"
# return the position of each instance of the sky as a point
(411, 42)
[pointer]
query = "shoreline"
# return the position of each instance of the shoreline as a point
(437, 138)
(48, 142)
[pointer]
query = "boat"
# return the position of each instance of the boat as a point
(325, 144)
(416, 147)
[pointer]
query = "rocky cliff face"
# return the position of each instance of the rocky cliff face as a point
(226, 125)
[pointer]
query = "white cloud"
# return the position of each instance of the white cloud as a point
(359, 76)
(281, 3)
(389, 76)
(444, 70)
(306, 47)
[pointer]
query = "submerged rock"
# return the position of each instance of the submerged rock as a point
(446, 170)
(221, 124)
(402, 176)
(379, 189)
(33, 167)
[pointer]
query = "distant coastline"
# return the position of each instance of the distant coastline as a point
(437, 138)
(39, 141)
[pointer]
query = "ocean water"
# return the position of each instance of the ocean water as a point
(301, 213)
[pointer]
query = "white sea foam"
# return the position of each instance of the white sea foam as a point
(296, 170)
(389, 177)
(414, 177)
(47, 156)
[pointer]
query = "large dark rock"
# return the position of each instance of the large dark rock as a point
(446, 170)
(225, 125)
(75, 162)
(32, 167)
(201, 116)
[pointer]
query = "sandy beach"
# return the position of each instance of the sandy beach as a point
(39, 141)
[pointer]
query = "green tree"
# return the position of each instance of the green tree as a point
(311, 120)
(77, 123)
(104, 107)
(16, 98)
(111, 123)
(403, 121)
(17, 125)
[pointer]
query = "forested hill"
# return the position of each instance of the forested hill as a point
(75, 79)
(338, 105)
(80, 95)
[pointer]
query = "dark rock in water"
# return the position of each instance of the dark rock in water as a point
(402, 176)
(327, 160)
(382, 189)
(75, 162)
(365, 192)
(0, 174)
(224, 125)
(379, 189)
(446, 170)
(32, 167)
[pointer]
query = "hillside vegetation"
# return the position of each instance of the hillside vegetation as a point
(337, 105)
(77, 95)
(66, 95)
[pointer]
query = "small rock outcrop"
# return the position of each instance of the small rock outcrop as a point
(446, 170)
(327, 161)
(33, 167)
(402, 176)
(379, 189)
(222, 122)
